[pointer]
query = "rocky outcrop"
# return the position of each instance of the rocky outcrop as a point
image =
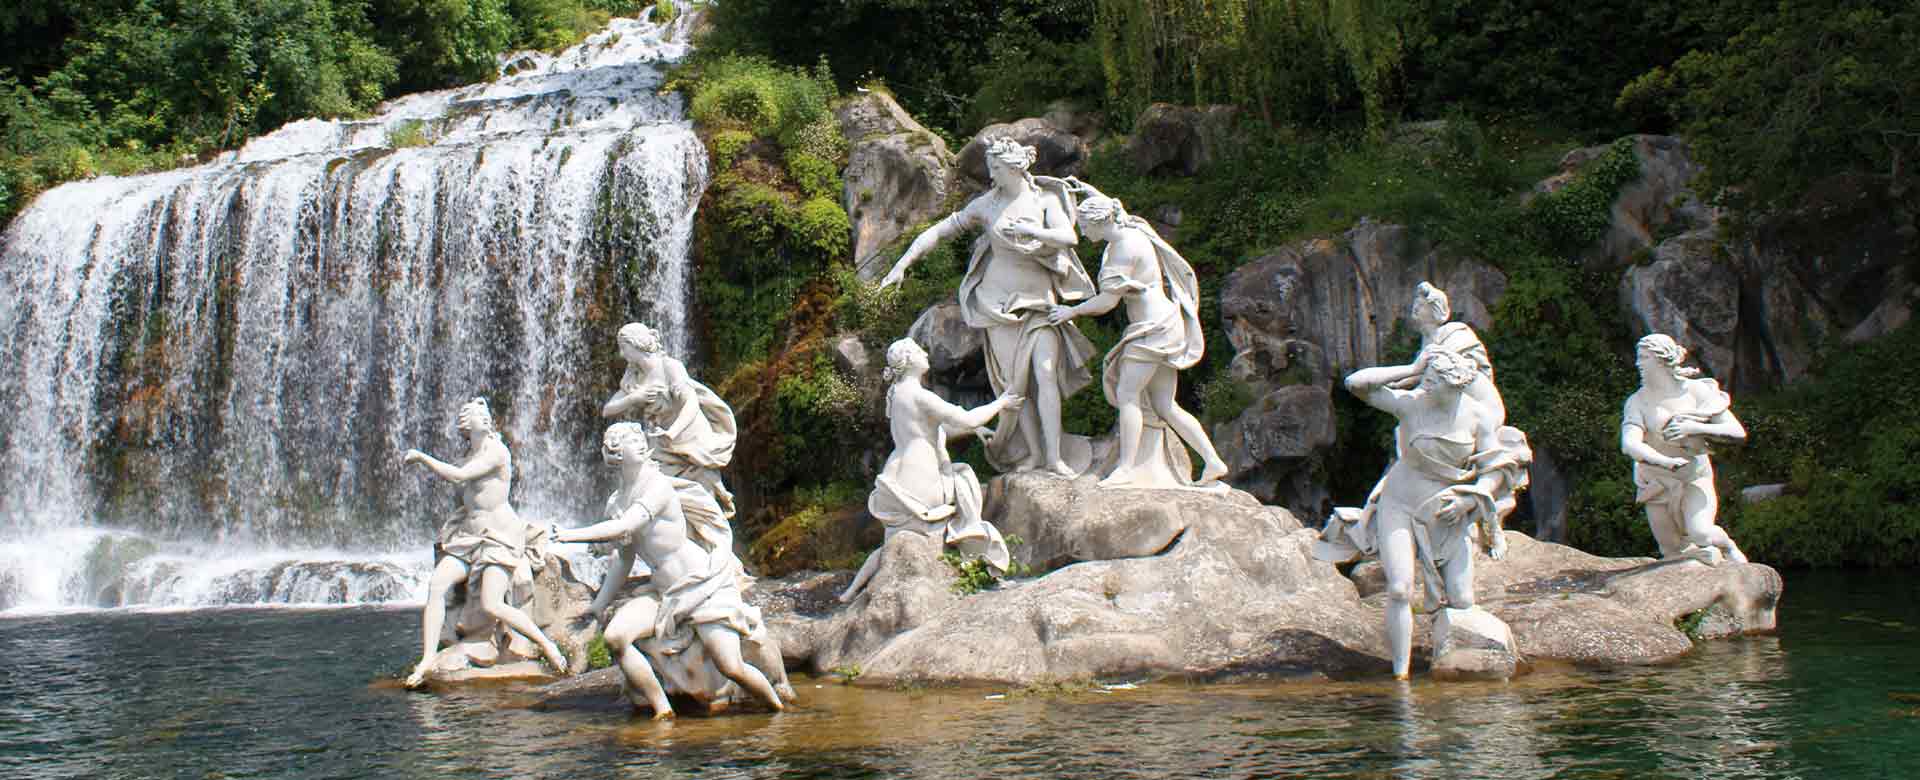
(1180, 140)
(1307, 315)
(898, 175)
(1060, 152)
(1237, 590)
(955, 357)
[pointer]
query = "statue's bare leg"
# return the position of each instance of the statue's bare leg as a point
(495, 583)
(1397, 558)
(866, 571)
(1165, 382)
(1045, 379)
(446, 574)
(1698, 510)
(1134, 377)
(1666, 529)
(723, 646)
(630, 624)
(1458, 576)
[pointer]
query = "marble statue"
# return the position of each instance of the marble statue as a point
(1665, 428)
(921, 489)
(1022, 265)
(1162, 337)
(1429, 315)
(485, 544)
(1456, 474)
(694, 427)
(685, 629)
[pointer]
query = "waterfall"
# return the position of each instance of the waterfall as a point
(212, 372)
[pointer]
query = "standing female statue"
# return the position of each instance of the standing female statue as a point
(1665, 427)
(1162, 337)
(1457, 469)
(920, 488)
(695, 428)
(1021, 267)
(486, 542)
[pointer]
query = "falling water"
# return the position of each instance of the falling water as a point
(212, 372)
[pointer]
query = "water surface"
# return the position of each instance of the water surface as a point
(307, 694)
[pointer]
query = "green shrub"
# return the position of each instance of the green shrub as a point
(820, 228)
(755, 94)
(408, 133)
(1577, 215)
(816, 177)
(726, 146)
(599, 656)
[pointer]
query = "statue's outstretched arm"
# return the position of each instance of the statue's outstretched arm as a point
(629, 521)
(946, 228)
(480, 465)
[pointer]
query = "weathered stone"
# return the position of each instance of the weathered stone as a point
(1061, 153)
(1687, 294)
(911, 587)
(1344, 300)
(1270, 447)
(943, 333)
(1472, 644)
(1068, 115)
(1547, 496)
(851, 357)
(898, 175)
(1068, 521)
(1180, 140)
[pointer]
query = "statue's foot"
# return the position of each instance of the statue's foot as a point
(1213, 473)
(555, 658)
(846, 598)
(1498, 551)
(419, 675)
(663, 713)
(1119, 478)
(1059, 468)
(786, 692)
(1734, 554)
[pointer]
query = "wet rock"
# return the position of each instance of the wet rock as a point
(911, 587)
(1180, 140)
(1060, 152)
(898, 175)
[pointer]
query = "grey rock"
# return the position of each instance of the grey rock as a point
(1270, 447)
(1472, 644)
(1068, 115)
(852, 358)
(911, 587)
(898, 175)
(1754, 494)
(1547, 496)
(1069, 521)
(1060, 152)
(1180, 140)
(1687, 294)
(943, 333)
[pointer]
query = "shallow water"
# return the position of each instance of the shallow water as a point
(307, 694)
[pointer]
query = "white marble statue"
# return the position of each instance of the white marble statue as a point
(485, 544)
(1022, 265)
(1456, 474)
(1429, 314)
(1665, 428)
(694, 428)
(685, 629)
(1163, 336)
(921, 489)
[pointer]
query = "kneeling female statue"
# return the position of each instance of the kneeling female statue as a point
(920, 488)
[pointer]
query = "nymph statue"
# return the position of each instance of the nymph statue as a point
(1162, 337)
(485, 543)
(921, 489)
(688, 623)
(695, 427)
(1429, 314)
(1457, 472)
(1021, 267)
(1665, 428)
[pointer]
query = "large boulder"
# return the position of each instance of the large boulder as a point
(1180, 140)
(1231, 588)
(1060, 152)
(1270, 445)
(898, 175)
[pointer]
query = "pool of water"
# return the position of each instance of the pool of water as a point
(308, 694)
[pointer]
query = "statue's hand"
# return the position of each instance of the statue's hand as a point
(1454, 507)
(1673, 463)
(414, 456)
(1013, 401)
(1680, 427)
(1059, 314)
(894, 277)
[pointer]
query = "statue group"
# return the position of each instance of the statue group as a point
(688, 629)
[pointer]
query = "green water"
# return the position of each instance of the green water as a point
(299, 694)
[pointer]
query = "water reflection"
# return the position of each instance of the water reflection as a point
(286, 694)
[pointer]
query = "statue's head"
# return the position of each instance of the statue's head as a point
(1430, 307)
(637, 339)
(1008, 159)
(904, 358)
(1100, 214)
(1448, 370)
(624, 443)
(1659, 352)
(475, 416)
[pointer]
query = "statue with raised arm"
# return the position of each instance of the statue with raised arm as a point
(1665, 428)
(485, 544)
(921, 489)
(1022, 265)
(1457, 472)
(694, 428)
(684, 631)
(1163, 336)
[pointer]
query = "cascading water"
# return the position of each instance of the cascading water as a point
(212, 372)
